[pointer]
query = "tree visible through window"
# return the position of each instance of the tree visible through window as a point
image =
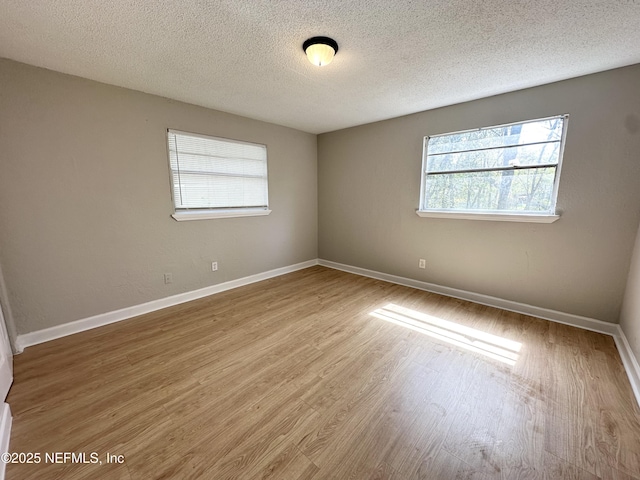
(503, 169)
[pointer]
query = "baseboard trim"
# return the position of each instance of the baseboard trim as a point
(517, 307)
(5, 434)
(629, 361)
(40, 336)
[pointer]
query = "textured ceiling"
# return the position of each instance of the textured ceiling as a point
(395, 58)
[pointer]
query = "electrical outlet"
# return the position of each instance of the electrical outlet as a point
(214, 266)
(168, 278)
(422, 263)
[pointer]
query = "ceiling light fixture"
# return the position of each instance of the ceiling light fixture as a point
(320, 50)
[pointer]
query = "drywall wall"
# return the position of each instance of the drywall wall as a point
(85, 202)
(630, 315)
(369, 186)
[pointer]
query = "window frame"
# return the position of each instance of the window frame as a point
(205, 213)
(507, 215)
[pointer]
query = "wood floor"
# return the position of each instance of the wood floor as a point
(320, 374)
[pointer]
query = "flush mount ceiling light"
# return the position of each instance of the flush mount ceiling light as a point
(320, 50)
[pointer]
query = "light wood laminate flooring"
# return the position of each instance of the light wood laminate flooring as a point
(321, 374)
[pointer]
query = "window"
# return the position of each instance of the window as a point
(506, 172)
(216, 177)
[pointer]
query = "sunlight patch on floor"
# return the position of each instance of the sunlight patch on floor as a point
(492, 346)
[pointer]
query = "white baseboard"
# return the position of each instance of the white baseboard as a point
(517, 307)
(629, 361)
(626, 354)
(41, 336)
(5, 434)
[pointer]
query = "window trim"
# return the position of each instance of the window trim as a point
(204, 213)
(496, 217)
(508, 215)
(201, 214)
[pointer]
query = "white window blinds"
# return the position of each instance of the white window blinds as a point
(217, 173)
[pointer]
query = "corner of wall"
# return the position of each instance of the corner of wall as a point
(629, 344)
(8, 316)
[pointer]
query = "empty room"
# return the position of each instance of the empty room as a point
(319, 240)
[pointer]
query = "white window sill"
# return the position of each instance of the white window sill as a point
(495, 217)
(187, 215)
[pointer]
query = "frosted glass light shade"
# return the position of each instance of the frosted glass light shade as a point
(320, 55)
(320, 50)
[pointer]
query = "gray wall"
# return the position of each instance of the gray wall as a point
(85, 203)
(369, 184)
(630, 316)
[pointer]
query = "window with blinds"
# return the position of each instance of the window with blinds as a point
(210, 173)
(512, 169)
